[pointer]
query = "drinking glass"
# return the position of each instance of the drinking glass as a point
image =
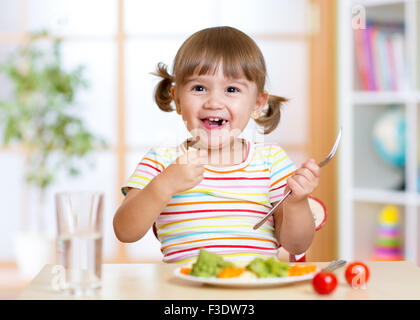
(79, 240)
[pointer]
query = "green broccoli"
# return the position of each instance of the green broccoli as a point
(208, 264)
(268, 268)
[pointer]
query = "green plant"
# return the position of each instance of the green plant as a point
(41, 114)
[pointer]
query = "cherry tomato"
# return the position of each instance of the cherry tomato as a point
(324, 282)
(357, 274)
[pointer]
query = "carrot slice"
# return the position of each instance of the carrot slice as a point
(297, 270)
(231, 272)
(186, 270)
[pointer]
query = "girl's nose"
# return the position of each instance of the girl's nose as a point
(214, 101)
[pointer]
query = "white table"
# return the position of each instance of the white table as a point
(388, 280)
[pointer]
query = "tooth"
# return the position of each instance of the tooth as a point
(216, 119)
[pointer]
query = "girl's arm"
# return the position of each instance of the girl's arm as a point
(294, 226)
(139, 210)
(293, 220)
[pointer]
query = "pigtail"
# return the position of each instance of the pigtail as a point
(270, 119)
(163, 96)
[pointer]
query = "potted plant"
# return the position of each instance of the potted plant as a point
(40, 115)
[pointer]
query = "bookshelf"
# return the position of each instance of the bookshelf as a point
(366, 182)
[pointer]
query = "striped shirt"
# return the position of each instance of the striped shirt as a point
(219, 213)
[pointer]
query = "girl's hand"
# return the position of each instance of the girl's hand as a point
(185, 172)
(303, 182)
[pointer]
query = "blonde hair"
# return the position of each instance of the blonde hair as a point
(201, 54)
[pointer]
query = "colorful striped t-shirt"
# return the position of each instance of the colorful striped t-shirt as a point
(219, 213)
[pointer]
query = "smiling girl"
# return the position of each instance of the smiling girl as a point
(212, 189)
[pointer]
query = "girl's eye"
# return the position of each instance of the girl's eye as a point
(232, 89)
(198, 88)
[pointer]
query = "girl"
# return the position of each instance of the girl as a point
(211, 190)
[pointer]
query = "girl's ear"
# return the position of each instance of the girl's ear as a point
(176, 100)
(262, 100)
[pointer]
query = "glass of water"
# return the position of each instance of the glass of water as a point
(79, 240)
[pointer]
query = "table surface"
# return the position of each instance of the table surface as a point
(388, 280)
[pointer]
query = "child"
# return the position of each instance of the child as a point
(211, 190)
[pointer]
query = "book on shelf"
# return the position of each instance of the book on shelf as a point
(380, 57)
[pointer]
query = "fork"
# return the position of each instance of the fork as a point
(334, 265)
(321, 164)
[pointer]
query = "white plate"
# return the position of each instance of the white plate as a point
(243, 282)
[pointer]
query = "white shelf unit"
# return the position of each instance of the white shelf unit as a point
(362, 192)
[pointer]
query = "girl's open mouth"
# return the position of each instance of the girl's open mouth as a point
(214, 123)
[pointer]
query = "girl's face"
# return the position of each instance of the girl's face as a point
(216, 108)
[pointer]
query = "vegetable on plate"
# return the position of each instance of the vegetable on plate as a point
(230, 272)
(209, 264)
